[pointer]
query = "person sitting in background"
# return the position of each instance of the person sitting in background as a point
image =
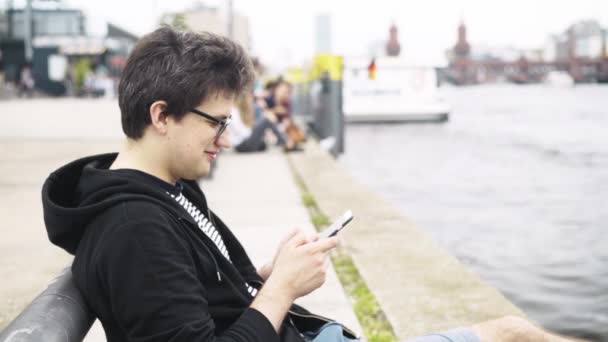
(249, 135)
(278, 102)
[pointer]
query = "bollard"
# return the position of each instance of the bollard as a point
(300, 97)
(327, 97)
(59, 313)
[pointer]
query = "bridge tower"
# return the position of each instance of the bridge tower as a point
(462, 67)
(393, 48)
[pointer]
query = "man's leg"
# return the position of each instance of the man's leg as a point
(255, 141)
(512, 328)
(251, 145)
(275, 130)
(454, 335)
(506, 329)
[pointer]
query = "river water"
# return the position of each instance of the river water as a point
(515, 185)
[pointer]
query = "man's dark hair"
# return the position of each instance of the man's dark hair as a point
(182, 69)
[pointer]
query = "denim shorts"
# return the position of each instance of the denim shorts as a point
(454, 335)
(332, 332)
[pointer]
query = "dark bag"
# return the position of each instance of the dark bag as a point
(295, 133)
(300, 323)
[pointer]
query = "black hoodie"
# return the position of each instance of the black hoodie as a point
(143, 265)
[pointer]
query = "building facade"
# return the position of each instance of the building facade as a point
(211, 19)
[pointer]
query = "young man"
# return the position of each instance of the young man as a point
(153, 262)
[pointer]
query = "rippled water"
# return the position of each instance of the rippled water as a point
(516, 186)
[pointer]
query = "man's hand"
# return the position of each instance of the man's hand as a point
(299, 268)
(266, 269)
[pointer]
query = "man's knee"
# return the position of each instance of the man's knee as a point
(514, 322)
(509, 328)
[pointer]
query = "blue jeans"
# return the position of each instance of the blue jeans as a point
(332, 332)
(454, 335)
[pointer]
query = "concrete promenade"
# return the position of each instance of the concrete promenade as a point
(254, 194)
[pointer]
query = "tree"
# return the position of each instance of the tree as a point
(176, 21)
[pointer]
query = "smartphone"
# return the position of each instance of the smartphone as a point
(337, 225)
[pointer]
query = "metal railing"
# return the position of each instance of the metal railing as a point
(58, 314)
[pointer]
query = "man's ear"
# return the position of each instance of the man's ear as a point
(158, 116)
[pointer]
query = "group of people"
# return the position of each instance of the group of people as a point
(152, 260)
(264, 117)
(21, 78)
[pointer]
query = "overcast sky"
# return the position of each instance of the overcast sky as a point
(283, 30)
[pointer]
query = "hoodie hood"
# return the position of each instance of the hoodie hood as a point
(79, 191)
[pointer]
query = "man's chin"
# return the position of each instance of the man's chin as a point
(198, 174)
(204, 172)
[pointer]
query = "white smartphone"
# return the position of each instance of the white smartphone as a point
(337, 225)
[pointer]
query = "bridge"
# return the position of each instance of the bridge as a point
(582, 70)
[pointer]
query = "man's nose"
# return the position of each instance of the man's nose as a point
(223, 140)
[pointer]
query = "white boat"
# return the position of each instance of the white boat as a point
(559, 79)
(398, 92)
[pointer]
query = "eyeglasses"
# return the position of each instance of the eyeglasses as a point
(222, 124)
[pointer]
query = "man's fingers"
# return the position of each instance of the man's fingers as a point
(289, 235)
(324, 245)
(298, 239)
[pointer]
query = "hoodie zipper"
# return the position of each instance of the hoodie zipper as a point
(296, 328)
(215, 225)
(211, 217)
(217, 267)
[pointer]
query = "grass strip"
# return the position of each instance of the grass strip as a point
(376, 326)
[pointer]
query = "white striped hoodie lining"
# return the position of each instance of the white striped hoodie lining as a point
(207, 227)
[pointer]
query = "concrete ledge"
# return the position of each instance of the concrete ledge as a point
(419, 285)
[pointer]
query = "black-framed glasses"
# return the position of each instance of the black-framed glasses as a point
(222, 124)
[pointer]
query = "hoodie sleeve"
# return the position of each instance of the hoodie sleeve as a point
(154, 294)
